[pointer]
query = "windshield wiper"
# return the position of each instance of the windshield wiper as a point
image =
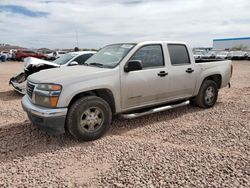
(96, 64)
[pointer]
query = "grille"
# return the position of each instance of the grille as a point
(30, 89)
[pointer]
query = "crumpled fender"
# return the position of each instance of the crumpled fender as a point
(18, 82)
(35, 61)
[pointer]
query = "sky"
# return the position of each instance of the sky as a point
(95, 23)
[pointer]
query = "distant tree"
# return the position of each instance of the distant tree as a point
(76, 49)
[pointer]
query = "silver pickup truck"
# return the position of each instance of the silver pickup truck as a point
(130, 79)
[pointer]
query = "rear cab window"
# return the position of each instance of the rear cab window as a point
(178, 54)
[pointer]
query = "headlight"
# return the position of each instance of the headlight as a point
(47, 95)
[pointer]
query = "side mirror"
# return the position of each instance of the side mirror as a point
(72, 63)
(133, 65)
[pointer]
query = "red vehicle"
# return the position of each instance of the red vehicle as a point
(21, 54)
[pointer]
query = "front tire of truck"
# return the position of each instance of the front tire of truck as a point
(207, 95)
(89, 118)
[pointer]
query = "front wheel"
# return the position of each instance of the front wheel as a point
(89, 118)
(207, 95)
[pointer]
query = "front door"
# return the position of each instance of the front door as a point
(147, 86)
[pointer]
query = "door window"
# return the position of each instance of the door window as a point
(178, 54)
(150, 55)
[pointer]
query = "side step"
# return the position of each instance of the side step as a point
(154, 110)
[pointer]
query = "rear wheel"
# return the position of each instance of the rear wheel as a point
(207, 95)
(89, 118)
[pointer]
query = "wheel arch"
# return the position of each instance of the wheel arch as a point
(103, 93)
(217, 78)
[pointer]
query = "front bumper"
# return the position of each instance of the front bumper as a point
(49, 120)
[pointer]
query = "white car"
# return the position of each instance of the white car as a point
(50, 55)
(33, 65)
(58, 54)
(198, 55)
(237, 55)
(210, 55)
(222, 55)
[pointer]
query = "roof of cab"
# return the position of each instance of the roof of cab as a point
(152, 42)
(160, 41)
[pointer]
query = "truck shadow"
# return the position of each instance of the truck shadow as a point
(10, 95)
(121, 126)
(24, 139)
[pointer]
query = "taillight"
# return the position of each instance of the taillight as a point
(232, 70)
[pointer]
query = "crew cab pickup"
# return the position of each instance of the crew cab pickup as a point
(130, 79)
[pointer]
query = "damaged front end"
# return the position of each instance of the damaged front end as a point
(19, 82)
(32, 65)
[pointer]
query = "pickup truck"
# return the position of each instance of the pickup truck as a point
(130, 80)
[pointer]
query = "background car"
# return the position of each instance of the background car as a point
(210, 55)
(21, 54)
(6, 53)
(237, 55)
(58, 54)
(49, 55)
(198, 55)
(33, 65)
(222, 55)
(3, 57)
(248, 56)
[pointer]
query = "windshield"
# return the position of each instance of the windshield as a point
(110, 56)
(64, 59)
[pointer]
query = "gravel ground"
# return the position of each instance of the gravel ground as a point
(184, 147)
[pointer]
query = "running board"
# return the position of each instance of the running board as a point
(154, 110)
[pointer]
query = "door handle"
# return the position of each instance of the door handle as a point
(162, 74)
(190, 70)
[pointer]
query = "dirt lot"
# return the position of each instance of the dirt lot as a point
(187, 147)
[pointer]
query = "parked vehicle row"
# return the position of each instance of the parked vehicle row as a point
(233, 55)
(21, 54)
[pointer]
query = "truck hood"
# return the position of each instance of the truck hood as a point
(65, 75)
(35, 61)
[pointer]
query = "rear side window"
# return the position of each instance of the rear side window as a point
(178, 54)
(150, 55)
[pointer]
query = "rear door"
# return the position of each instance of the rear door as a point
(182, 72)
(146, 86)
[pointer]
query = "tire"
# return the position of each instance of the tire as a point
(207, 95)
(89, 118)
